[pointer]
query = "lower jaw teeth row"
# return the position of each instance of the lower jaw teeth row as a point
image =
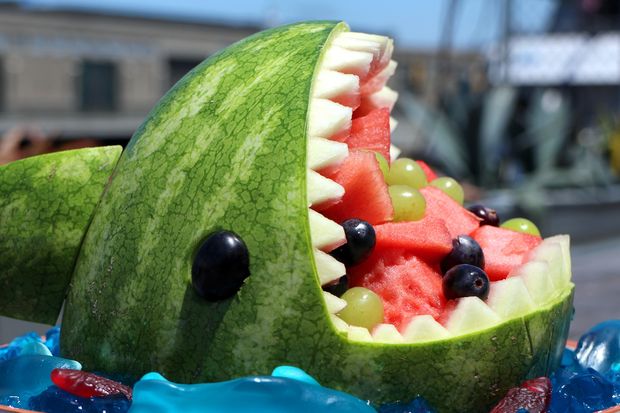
(547, 273)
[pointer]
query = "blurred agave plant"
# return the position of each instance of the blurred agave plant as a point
(511, 138)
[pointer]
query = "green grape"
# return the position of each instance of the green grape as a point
(450, 187)
(521, 225)
(406, 171)
(364, 308)
(409, 204)
(383, 164)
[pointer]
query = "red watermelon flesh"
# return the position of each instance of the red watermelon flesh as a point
(406, 284)
(427, 238)
(366, 193)
(503, 249)
(430, 174)
(351, 100)
(371, 132)
(458, 220)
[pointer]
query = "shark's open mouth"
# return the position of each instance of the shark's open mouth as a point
(350, 82)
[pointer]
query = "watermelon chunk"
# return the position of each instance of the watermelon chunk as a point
(371, 132)
(504, 249)
(352, 100)
(406, 284)
(430, 174)
(458, 220)
(427, 238)
(366, 193)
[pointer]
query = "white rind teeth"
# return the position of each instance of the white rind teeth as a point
(387, 53)
(424, 328)
(321, 189)
(384, 98)
(393, 124)
(394, 153)
(376, 47)
(323, 152)
(564, 241)
(535, 276)
(328, 118)
(380, 79)
(359, 334)
(347, 61)
(388, 71)
(328, 268)
(325, 233)
(551, 253)
(510, 298)
(471, 314)
(331, 84)
(387, 333)
(334, 304)
(339, 323)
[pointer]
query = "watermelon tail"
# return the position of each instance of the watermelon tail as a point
(46, 204)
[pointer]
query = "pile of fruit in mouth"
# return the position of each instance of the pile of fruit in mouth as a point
(216, 234)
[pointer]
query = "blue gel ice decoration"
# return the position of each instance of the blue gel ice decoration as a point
(258, 394)
(35, 348)
(28, 375)
(52, 340)
(294, 373)
(584, 391)
(599, 348)
(15, 346)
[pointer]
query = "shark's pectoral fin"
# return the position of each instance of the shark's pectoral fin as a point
(46, 204)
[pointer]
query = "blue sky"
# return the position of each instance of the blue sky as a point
(414, 23)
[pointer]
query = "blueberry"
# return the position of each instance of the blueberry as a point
(360, 242)
(465, 280)
(465, 250)
(220, 266)
(338, 287)
(488, 215)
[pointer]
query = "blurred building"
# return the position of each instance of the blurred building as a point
(76, 73)
(79, 74)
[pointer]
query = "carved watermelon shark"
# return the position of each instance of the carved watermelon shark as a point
(113, 237)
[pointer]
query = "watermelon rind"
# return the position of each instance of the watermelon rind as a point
(46, 204)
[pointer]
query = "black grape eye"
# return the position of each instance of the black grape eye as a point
(221, 265)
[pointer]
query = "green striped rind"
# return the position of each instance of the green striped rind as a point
(225, 149)
(46, 203)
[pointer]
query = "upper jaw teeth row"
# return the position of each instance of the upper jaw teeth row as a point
(349, 57)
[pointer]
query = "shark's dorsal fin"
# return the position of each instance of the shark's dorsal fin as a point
(46, 204)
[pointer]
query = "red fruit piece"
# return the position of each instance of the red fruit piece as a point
(533, 395)
(504, 249)
(366, 194)
(351, 100)
(83, 384)
(458, 220)
(372, 132)
(406, 284)
(427, 238)
(430, 174)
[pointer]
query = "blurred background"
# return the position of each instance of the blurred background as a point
(519, 99)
